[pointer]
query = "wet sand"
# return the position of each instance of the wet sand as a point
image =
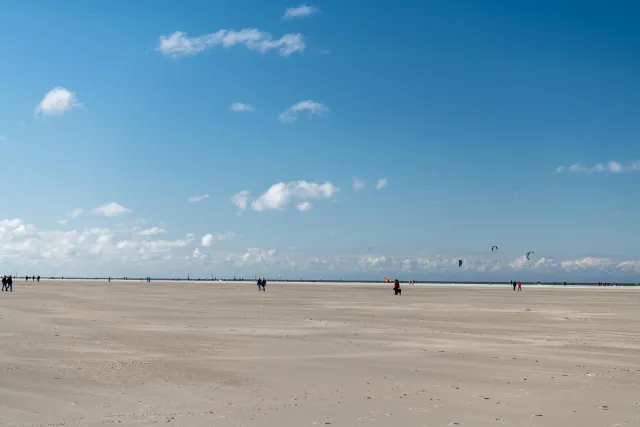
(93, 353)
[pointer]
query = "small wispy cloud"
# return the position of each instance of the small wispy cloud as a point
(240, 200)
(57, 102)
(302, 11)
(382, 183)
(180, 44)
(76, 213)
(153, 231)
(3, 138)
(239, 107)
(304, 206)
(312, 108)
(357, 184)
(610, 167)
(111, 209)
(196, 199)
(63, 221)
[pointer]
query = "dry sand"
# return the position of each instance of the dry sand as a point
(93, 353)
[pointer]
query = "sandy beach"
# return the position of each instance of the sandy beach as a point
(200, 354)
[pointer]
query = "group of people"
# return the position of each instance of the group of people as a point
(33, 278)
(516, 284)
(262, 283)
(7, 283)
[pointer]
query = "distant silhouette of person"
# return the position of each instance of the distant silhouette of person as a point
(264, 285)
(396, 287)
(260, 284)
(38, 278)
(4, 283)
(519, 286)
(10, 283)
(514, 285)
(33, 279)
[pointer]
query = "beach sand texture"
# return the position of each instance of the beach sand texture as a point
(93, 353)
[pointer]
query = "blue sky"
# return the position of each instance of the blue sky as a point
(507, 123)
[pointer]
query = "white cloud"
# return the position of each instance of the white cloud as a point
(252, 256)
(111, 251)
(373, 261)
(197, 255)
(241, 200)
(180, 44)
(196, 199)
(357, 184)
(312, 108)
(111, 209)
(207, 240)
(76, 213)
(586, 263)
(382, 183)
(63, 221)
(239, 107)
(304, 206)
(210, 239)
(56, 102)
(301, 11)
(279, 195)
(153, 231)
(610, 167)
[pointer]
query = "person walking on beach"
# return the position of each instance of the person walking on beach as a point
(519, 286)
(514, 285)
(4, 283)
(396, 287)
(264, 284)
(259, 284)
(9, 283)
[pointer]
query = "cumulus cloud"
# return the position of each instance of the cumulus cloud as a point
(210, 239)
(588, 262)
(609, 167)
(304, 206)
(302, 11)
(357, 184)
(311, 108)
(280, 195)
(239, 107)
(196, 199)
(197, 255)
(382, 183)
(180, 44)
(57, 102)
(100, 251)
(241, 200)
(111, 209)
(373, 261)
(153, 231)
(252, 256)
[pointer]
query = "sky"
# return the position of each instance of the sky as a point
(322, 139)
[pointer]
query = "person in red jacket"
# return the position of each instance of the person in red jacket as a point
(519, 286)
(396, 287)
